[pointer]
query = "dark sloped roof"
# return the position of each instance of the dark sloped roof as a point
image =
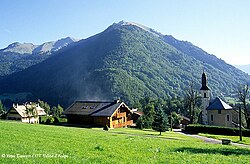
(92, 108)
(106, 110)
(218, 104)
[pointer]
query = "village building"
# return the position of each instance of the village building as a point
(220, 113)
(114, 114)
(136, 115)
(215, 112)
(20, 113)
(184, 121)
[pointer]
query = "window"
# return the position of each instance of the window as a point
(205, 95)
(228, 117)
(212, 117)
(219, 111)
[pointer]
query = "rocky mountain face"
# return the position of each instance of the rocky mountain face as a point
(45, 48)
(19, 56)
(127, 61)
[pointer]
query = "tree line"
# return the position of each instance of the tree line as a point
(166, 111)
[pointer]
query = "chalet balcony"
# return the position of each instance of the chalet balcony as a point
(120, 115)
(119, 125)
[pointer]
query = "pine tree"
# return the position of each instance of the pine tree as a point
(160, 122)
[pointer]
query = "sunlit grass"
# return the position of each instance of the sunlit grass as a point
(57, 144)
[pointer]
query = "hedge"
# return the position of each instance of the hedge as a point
(195, 129)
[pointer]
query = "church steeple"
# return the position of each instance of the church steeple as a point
(205, 97)
(204, 82)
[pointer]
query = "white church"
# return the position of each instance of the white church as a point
(215, 112)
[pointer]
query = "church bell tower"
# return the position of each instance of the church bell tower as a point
(205, 97)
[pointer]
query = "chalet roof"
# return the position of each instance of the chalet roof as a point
(185, 118)
(140, 113)
(21, 109)
(219, 104)
(93, 108)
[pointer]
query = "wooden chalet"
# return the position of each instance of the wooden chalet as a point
(99, 113)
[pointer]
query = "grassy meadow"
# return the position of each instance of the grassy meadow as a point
(34, 143)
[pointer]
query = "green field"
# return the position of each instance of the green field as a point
(34, 143)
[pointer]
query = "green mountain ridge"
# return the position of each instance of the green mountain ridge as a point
(126, 62)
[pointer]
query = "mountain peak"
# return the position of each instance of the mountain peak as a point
(68, 39)
(125, 23)
(47, 47)
(16, 47)
(15, 44)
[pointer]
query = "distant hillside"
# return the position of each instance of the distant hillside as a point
(17, 56)
(125, 61)
(245, 68)
(221, 74)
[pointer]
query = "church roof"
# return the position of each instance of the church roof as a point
(218, 104)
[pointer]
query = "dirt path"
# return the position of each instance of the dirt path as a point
(210, 140)
(205, 139)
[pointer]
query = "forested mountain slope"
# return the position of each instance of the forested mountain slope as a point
(124, 61)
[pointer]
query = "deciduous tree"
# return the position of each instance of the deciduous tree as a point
(243, 95)
(57, 111)
(31, 111)
(191, 100)
(45, 106)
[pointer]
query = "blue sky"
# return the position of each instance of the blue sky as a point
(220, 27)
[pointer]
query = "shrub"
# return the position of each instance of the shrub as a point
(99, 147)
(56, 120)
(106, 127)
(49, 120)
(195, 129)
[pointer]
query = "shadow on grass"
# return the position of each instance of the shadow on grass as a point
(72, 125)
(222, 151)
(148, 130)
